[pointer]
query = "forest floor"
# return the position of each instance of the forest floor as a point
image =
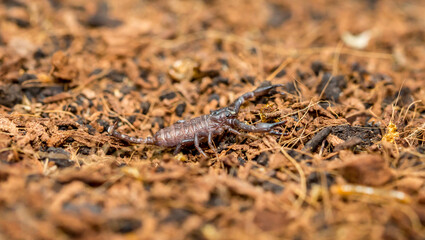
(351, 164)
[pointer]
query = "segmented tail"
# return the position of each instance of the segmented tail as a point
(129, 139)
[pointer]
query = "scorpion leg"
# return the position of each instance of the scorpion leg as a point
(177, 150)
(260, 127)
(210, 143)
(234, 131)
(198, 147)
(180, 145)
(256, 93)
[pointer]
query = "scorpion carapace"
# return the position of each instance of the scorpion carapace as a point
(204, 128)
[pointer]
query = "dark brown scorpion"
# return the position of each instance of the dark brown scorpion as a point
(204, 128)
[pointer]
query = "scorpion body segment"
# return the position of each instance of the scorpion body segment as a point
(185, 130)
(205, 127)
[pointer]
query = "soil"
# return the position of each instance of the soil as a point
(349, 166)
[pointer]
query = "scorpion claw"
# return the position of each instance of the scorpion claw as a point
(279, 133)
(267, 90)
(278, 123)
(275, 133)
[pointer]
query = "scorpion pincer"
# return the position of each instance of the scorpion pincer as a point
(204, 128)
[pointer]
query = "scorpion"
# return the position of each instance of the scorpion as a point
(204, 128)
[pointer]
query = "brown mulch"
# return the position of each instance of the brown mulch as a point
(351, 165)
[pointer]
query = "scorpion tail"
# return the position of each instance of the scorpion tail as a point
(126, 138)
